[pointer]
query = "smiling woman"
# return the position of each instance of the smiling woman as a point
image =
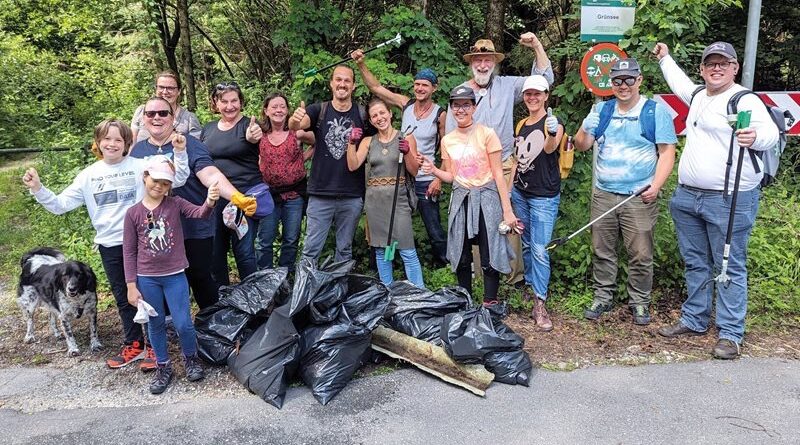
(168, 87)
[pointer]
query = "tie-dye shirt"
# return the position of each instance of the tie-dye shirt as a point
(469, 155)
(626, 161)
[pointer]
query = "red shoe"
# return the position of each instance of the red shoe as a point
(149, 362)
(130, 353)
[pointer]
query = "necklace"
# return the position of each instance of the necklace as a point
(419, 114)
(704, 109)
(385, 145)
(161, 144)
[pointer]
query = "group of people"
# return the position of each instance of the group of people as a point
(153, 194)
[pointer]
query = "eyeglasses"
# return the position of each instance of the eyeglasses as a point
(166, 88)
(227, 86)
(150, 223)
(618, 81)
(152, 113)
(722, 65)
(462, 107)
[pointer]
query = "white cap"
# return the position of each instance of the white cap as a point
(536, 82)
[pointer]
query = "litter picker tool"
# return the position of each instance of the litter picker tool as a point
(312, 71)
(391, 246)
(557, 242)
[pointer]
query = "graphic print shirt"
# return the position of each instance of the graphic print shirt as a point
(469, 155)
(329, 173)
(537, 172)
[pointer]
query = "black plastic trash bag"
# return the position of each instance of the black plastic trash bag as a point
(474, 336)
(332, 352)
(319, 289)
(270, 358)
(241, 309)
(419, 312)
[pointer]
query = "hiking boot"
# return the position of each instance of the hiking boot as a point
(162, 378)
(676, 330)
(597, 309)
(194, 370)
(726, 349)
(129, 354)
(540, 316)
(149, 362)
(641, 315)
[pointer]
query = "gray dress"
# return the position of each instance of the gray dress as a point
(382, 167)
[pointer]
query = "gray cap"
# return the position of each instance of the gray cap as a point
(625, 67)
(462, 92)
(722, 48)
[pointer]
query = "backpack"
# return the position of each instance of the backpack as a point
(770, 158)
(566, 155)
(323, 108)
(435, 121)
(647, 119)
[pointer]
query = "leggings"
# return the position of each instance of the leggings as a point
(491, 277)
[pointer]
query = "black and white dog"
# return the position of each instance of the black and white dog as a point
(66, 288)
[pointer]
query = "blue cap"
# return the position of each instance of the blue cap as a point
(427, 74)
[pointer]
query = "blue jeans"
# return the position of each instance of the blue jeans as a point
(244, 251)
(171, 290)
(539, 216)
(701, 221)
(410, 262)
(325, 212)
(429, 211)
(290, 215)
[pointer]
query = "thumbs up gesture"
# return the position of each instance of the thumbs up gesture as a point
(213, 194)
(591, 121)
(551, 122)
(299, 113)
(178, 141)
(253, 133)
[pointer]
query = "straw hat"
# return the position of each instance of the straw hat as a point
(483, 47)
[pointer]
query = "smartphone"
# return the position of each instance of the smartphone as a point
(743, 119)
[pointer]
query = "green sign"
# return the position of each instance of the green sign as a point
(606, 20)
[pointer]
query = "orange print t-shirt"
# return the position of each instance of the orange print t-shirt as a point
(469, 155)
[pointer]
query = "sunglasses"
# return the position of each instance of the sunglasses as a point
(150, 223)
(227, 86)
(630, 81)
(152, 113)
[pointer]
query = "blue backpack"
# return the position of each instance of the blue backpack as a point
(647, 119)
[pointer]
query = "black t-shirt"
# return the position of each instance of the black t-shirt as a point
(538, 174)
(329, 173)
(233, 155)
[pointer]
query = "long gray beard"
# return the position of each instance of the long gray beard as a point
(481, 79)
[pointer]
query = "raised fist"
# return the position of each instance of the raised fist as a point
(178, 141)
(355, 135)
(31, 180)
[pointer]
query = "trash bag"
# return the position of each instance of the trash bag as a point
(241, 309)
(270, 358)
(419, 312)
(474, 336)
(319, 289)
(332, 352)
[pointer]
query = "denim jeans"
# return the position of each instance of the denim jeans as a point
(429, 211)
(636, 222)
(113, 265)
(244, 251)
(325, 212)
(539, 216)
(410, 262)
(171, 290)
(290, 215)
(701, 221)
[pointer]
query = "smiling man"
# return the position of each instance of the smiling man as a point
(700, 206)
(636, 142)
(335, 194)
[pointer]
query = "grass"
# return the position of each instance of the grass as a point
(14, 214)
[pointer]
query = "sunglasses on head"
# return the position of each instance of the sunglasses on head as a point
(481, 49)
(150, 223)
(227, 86)
(630, 81)
(152, 113)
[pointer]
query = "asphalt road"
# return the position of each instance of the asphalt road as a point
(748, 401)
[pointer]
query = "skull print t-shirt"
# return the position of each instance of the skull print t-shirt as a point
(469, 155)
(329, 173)
(538, 175)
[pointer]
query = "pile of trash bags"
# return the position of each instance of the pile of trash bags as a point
(321, 328)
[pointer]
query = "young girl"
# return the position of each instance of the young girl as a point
(381, 152)
(108, 188)
(154, 262)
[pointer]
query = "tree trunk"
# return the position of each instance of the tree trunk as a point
(186, 51)
(495, 23)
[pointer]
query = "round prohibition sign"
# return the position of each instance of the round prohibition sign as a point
(596, 65)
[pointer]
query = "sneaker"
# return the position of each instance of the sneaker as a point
(641, 315)
(489, 303)
(149, 362)
(676, 330)
(597, 309)
(194, 370)
(162, 378)
(726, 349)
(541, 317)
(130, 353)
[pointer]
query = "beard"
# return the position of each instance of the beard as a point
(482, 79)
